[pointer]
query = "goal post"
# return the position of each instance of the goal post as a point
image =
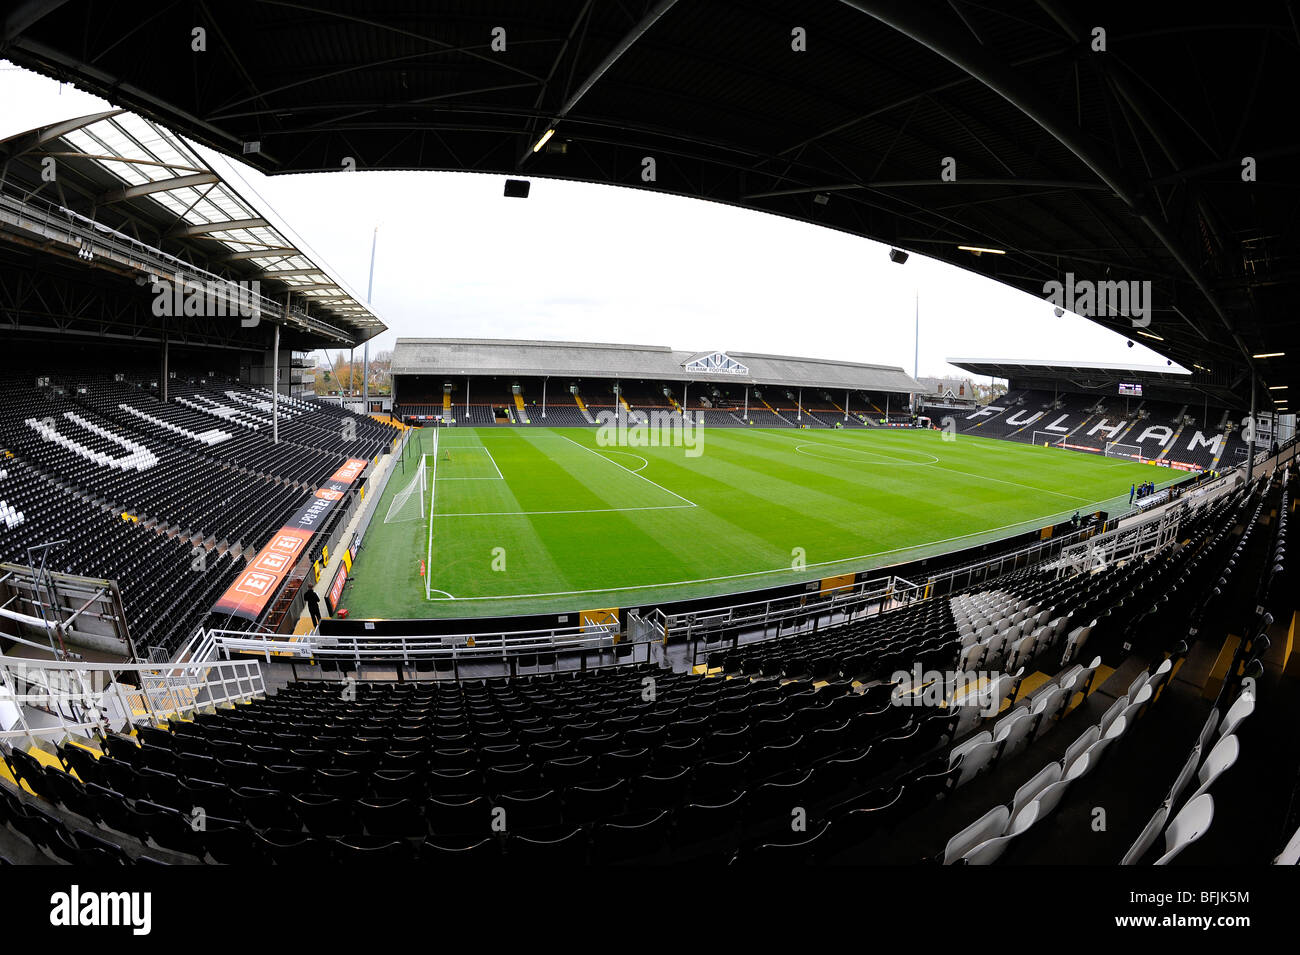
(1051, 438)
(1132, 452)
(408, 505)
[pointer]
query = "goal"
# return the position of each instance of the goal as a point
(1131, 451)
(408, 505)
(1053, 438)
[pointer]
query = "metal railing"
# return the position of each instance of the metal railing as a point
(1125, 542)
(722, 629)
(816, 612)
(51, 699)
(797, 612)
(782, 614)
(452, 650)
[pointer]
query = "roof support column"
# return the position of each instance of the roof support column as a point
(162, 382)
(1250, 451)
(275, 377)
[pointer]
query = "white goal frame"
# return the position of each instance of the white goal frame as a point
(419, 484)
(1117, 449)
(1057, 439)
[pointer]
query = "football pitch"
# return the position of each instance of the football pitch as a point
(526, 519)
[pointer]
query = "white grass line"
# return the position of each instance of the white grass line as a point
(477, 447)
(1035, 521)
(590, 510)
(433, 494)
(620, 467)
(799, 449)
(644, 463)
(1027, 487)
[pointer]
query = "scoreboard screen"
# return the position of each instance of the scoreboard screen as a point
(1127, 389)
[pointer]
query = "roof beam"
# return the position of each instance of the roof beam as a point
(27, 15)
(281, 273)
(140, 101)
(159, 185)
(204, 228)
(910, 183)
(268, 253)
(18, 145)
(920, 27)
(613, 56)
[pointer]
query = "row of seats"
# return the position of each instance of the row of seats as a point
(1217, 748)
(181, 488)
(198, 476)
(622, 763)
(173, 423)
(166, 583)
(986, 839)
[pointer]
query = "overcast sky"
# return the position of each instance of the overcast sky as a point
(601, 263)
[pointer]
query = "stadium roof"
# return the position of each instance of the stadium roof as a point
(1110, 140)
(143, 192)
(465, 356)
(1097, 374)
(988, 367)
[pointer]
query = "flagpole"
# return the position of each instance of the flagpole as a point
(365, 387)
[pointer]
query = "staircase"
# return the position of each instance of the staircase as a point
(777, 413)
(1029, 425)
(522, 417)
(1182, 423)
(1081, 425)
(1226, 433)
(583, 408)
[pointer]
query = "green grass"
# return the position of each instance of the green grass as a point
(578, 526)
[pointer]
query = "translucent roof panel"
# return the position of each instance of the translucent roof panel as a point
(139, 153)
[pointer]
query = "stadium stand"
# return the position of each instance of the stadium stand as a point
(153, 491)
(587, 769)
(977, 716)
(1152, 430)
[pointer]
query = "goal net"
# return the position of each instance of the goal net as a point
(1131, 451)
(1052, 438)
(408, 505)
